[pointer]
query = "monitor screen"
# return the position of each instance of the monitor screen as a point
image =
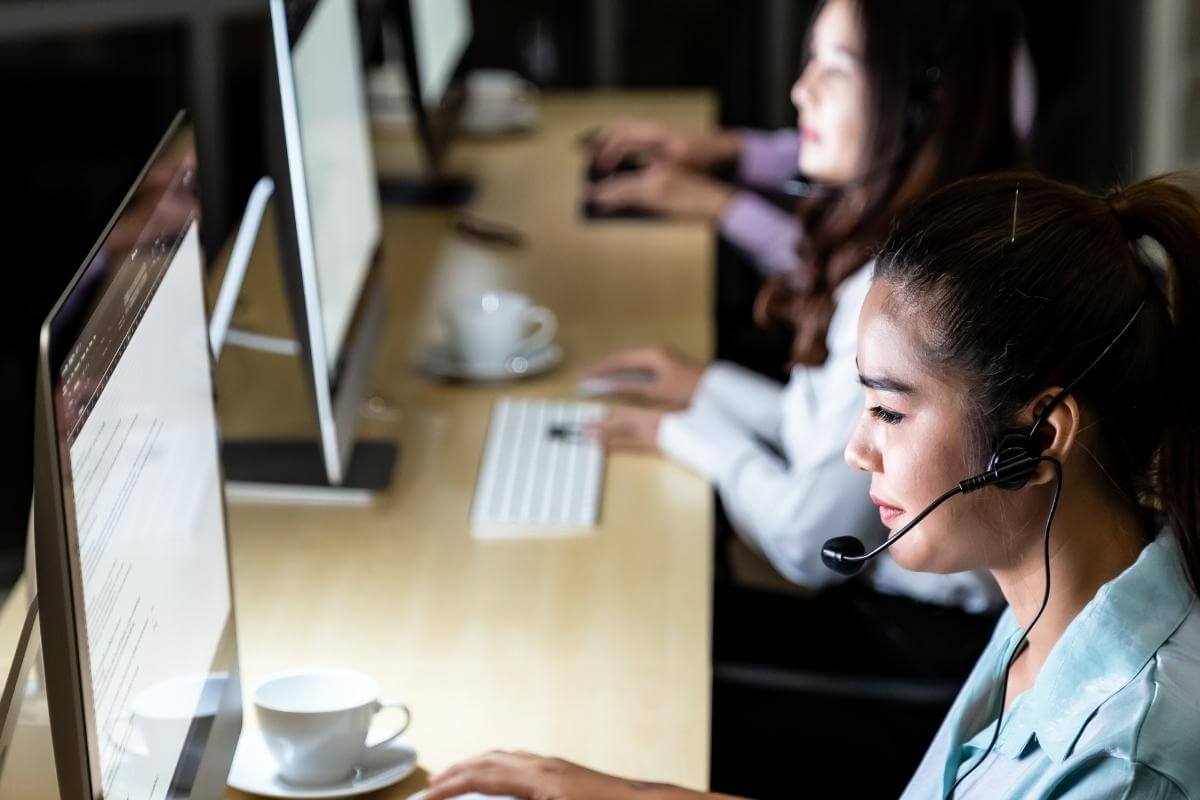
(135, 432)
(339, 167)
(441, 30)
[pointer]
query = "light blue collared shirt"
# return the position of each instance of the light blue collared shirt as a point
(1114, 712)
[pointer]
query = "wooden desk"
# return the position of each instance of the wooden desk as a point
(594, 648)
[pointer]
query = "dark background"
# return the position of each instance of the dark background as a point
(84, 104)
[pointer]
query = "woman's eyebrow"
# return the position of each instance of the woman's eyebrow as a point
(884, 384)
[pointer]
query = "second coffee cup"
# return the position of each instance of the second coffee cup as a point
(489, 328)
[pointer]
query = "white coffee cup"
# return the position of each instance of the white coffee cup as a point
(498, 101)
(497, 87)
(315, 723)
(489, 328)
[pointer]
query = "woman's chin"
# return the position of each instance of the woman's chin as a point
(820, 170)
(916, 554)
(924, 557)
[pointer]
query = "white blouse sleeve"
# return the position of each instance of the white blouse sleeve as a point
(745, 397)
(785, 505)
(783, 511)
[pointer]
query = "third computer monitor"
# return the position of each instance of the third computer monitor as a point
(436, 34)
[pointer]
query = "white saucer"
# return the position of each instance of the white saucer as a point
(516, 118)
(254, 771)
(439, 362)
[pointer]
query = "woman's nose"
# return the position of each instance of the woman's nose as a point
(859, 453)
(801, 91)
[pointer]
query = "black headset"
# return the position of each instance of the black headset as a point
(1016, 457)
(1013, 462)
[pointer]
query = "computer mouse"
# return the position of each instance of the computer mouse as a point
(609, 382)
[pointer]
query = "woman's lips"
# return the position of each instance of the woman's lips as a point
(809, 135)
(888, 513)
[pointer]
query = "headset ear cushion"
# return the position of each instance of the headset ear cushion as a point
(1014, 447)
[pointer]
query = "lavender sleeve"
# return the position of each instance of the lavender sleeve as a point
(767, 233)
(768, 158)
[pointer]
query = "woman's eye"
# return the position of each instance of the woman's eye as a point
(885, 415)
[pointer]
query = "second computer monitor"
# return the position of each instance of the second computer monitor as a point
(328, 219)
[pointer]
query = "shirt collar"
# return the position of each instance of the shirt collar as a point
(1101, 651)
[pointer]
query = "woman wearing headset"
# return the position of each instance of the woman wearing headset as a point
(897, 98)
(990, 300)
(1016, 315)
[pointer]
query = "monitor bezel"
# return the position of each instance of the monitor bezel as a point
(60, 588)
(331, 388)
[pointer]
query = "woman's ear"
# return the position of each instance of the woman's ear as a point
(1058, 432)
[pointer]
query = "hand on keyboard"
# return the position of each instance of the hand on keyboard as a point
(629, 428)
(663, 189)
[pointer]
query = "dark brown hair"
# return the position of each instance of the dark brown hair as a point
(1014, 309)
(939, 77)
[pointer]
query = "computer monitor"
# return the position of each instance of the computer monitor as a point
(329, 229)
(132, 556)
(435, 34)
(434, 37)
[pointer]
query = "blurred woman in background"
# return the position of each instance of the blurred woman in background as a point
(897, 98)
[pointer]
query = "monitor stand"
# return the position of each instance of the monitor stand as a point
(293, 471)
(440, 191)
(290, 470)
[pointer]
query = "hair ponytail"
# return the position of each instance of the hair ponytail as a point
(1014, 292)
(1169, 215)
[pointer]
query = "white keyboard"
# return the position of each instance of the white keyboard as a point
(538, 470)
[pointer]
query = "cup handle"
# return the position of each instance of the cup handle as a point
(547, 326)
(380, 706)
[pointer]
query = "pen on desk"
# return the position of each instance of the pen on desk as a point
(489, 231)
